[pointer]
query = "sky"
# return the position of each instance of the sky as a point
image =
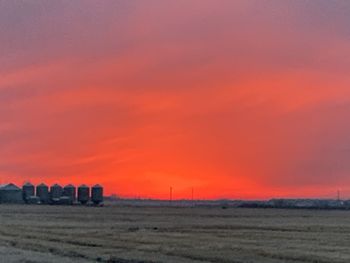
(235, 99)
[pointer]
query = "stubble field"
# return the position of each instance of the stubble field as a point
(170, 234)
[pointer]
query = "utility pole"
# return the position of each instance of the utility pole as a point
(192, 195)
(171, 195)
(338, 195)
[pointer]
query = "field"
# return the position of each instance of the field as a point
(170, 234)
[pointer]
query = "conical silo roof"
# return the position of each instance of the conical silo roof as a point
(8, 187)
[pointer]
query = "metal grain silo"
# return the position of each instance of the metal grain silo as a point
(97, 194)
(42, 191)
(83, 194)
(10, 193)
(28, 191)
(55, 192)
(70, 191)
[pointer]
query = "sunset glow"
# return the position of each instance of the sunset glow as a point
(236, 99)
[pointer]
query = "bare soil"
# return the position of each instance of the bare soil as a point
(169, 234)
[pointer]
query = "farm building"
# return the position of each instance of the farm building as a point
(42, 191)
(28, 191)
(97, 194)
(56, 195)
(69, 191)
(83, 194)
(10, 193)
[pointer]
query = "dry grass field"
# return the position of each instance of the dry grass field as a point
(158, 234)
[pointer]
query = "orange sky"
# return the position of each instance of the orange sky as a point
(237, 99)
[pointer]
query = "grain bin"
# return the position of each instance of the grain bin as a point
(55, 192)
(42, 191)
(10, 193)
(70, 191)
(83, 194)
(97, 194)
(28, 191)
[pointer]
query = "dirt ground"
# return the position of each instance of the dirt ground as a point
(160, 234)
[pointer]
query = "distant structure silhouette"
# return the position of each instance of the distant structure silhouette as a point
(70, 191)
(56, 195)
(83, 194)
(42, 192)
(97, 194)
(28, 191)
(10, 193)
(171, 195)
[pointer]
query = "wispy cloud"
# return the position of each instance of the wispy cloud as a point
(247, 98)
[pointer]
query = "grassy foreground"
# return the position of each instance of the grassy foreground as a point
(160, 234)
